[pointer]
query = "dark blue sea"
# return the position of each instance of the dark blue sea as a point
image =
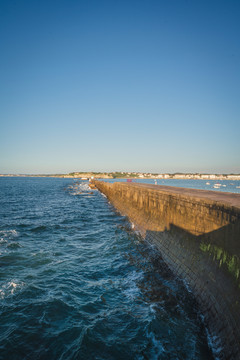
(77, 283)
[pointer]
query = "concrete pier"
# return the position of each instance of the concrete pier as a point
(198, 235)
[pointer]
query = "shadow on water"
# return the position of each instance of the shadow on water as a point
(210, 265)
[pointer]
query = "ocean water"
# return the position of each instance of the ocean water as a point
(77, 283)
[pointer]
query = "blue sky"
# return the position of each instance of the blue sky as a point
(119, 85)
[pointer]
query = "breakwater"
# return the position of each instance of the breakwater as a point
(198, 234)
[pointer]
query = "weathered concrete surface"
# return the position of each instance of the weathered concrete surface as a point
(198, 234)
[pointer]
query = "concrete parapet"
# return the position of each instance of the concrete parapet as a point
(198, 235)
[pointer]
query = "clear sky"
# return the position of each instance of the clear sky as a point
(127, 85)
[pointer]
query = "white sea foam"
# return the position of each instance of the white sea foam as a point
(80, 189)
(187, 286)
(214, 342)
(10, 288)
(157, 346)
(152, 308)
(8, 234)
(131, 289)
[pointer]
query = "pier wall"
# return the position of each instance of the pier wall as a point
(198, 235)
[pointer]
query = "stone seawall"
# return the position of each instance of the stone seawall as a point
(198, 235)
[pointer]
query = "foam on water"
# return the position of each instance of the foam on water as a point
(158, 348)
(131, 289)
(8, 234)
(82, 189)
(214, 344)
(10, 288)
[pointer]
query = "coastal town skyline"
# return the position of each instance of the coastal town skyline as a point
(88, 175)
(132, 85)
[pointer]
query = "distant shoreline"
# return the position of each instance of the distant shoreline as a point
(132, 175)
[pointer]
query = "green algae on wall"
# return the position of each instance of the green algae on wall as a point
(223, 258)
